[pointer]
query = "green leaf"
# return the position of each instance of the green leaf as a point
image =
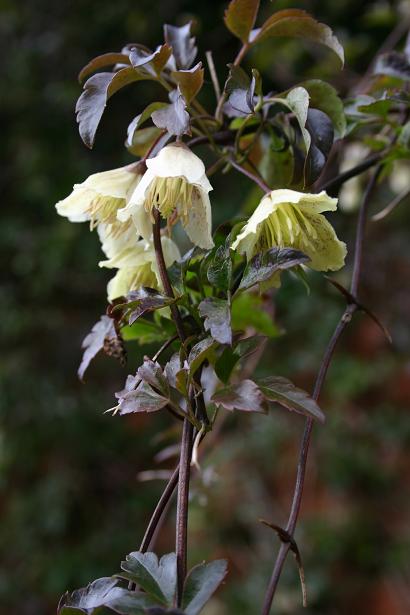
(190, 81)
(102, 61)
(277, 163)
(97, 90)
(202, 351)
(240, 17)
(142, 140)
(217, 315)
(298, 23)
(285, 393)
(174, 117)
(219, 272)
(297, 100)
(323, 96)
(245, 396)
(393, 64)
(103, 336)
(248, 311)
(144, 332)
(266, 264)
(140, 119)
(231, 356)
(157, 578)
(201, 582)
(183, 45)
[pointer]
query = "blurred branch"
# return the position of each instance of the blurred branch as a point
(327, 358)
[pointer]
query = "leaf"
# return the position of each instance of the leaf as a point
(219, 272)
(393, 64)
(190, 81)
(157, 578)
(183, 45)
(323, 96)
(245, 396)
(151, 373)
(144, 332)
(143, 300)
(248, 311)
(321, 132)
(103, 336)
(152, 62)
(141, 399)
(140, 119)
(240, 17)
(97, 90)
(217, 315)
(202, 351)
(104, 592)
(285, 393)
(297, 100)
(265, 264)
(299, 24)
(201, 582)
(241, 90)
(102, 61)
(230, 356)
(174, 117)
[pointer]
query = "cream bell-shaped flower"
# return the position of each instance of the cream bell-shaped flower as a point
(99, 197)
(175, 183)
(291, 219)
(137, 266)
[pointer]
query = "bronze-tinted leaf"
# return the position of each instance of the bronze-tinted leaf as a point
(183, 45)
(102, 61)
(92, 102)
(298, 23)
(217, 318)
(240, 17)
(190, 81)
(173, 118)
(284, 392)
(264, 265)
(103, 336)
(141, 301)
(245, 396)
(142, 399)
(152, 62)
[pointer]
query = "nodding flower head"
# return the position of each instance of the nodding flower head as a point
(137, 267)
(99, 197)
(176, 185)
(290, 219)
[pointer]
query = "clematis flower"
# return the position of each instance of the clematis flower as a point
(99, 197)
(290, 219)
(137, 267)
(175, 183)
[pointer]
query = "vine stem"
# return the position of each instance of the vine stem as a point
(327, 358)
(187, 429)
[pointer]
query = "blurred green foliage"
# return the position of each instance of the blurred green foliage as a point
(70, 501)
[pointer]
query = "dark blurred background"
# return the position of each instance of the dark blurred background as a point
(71, 504)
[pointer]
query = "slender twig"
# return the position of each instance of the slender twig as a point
(255, 178)
(159, 510)
(214, 76)
(392, 205)
(333, 184)
(327, 357)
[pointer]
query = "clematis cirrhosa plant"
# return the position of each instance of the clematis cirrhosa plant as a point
(290, 219)
(137, 267)
(176, 184)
